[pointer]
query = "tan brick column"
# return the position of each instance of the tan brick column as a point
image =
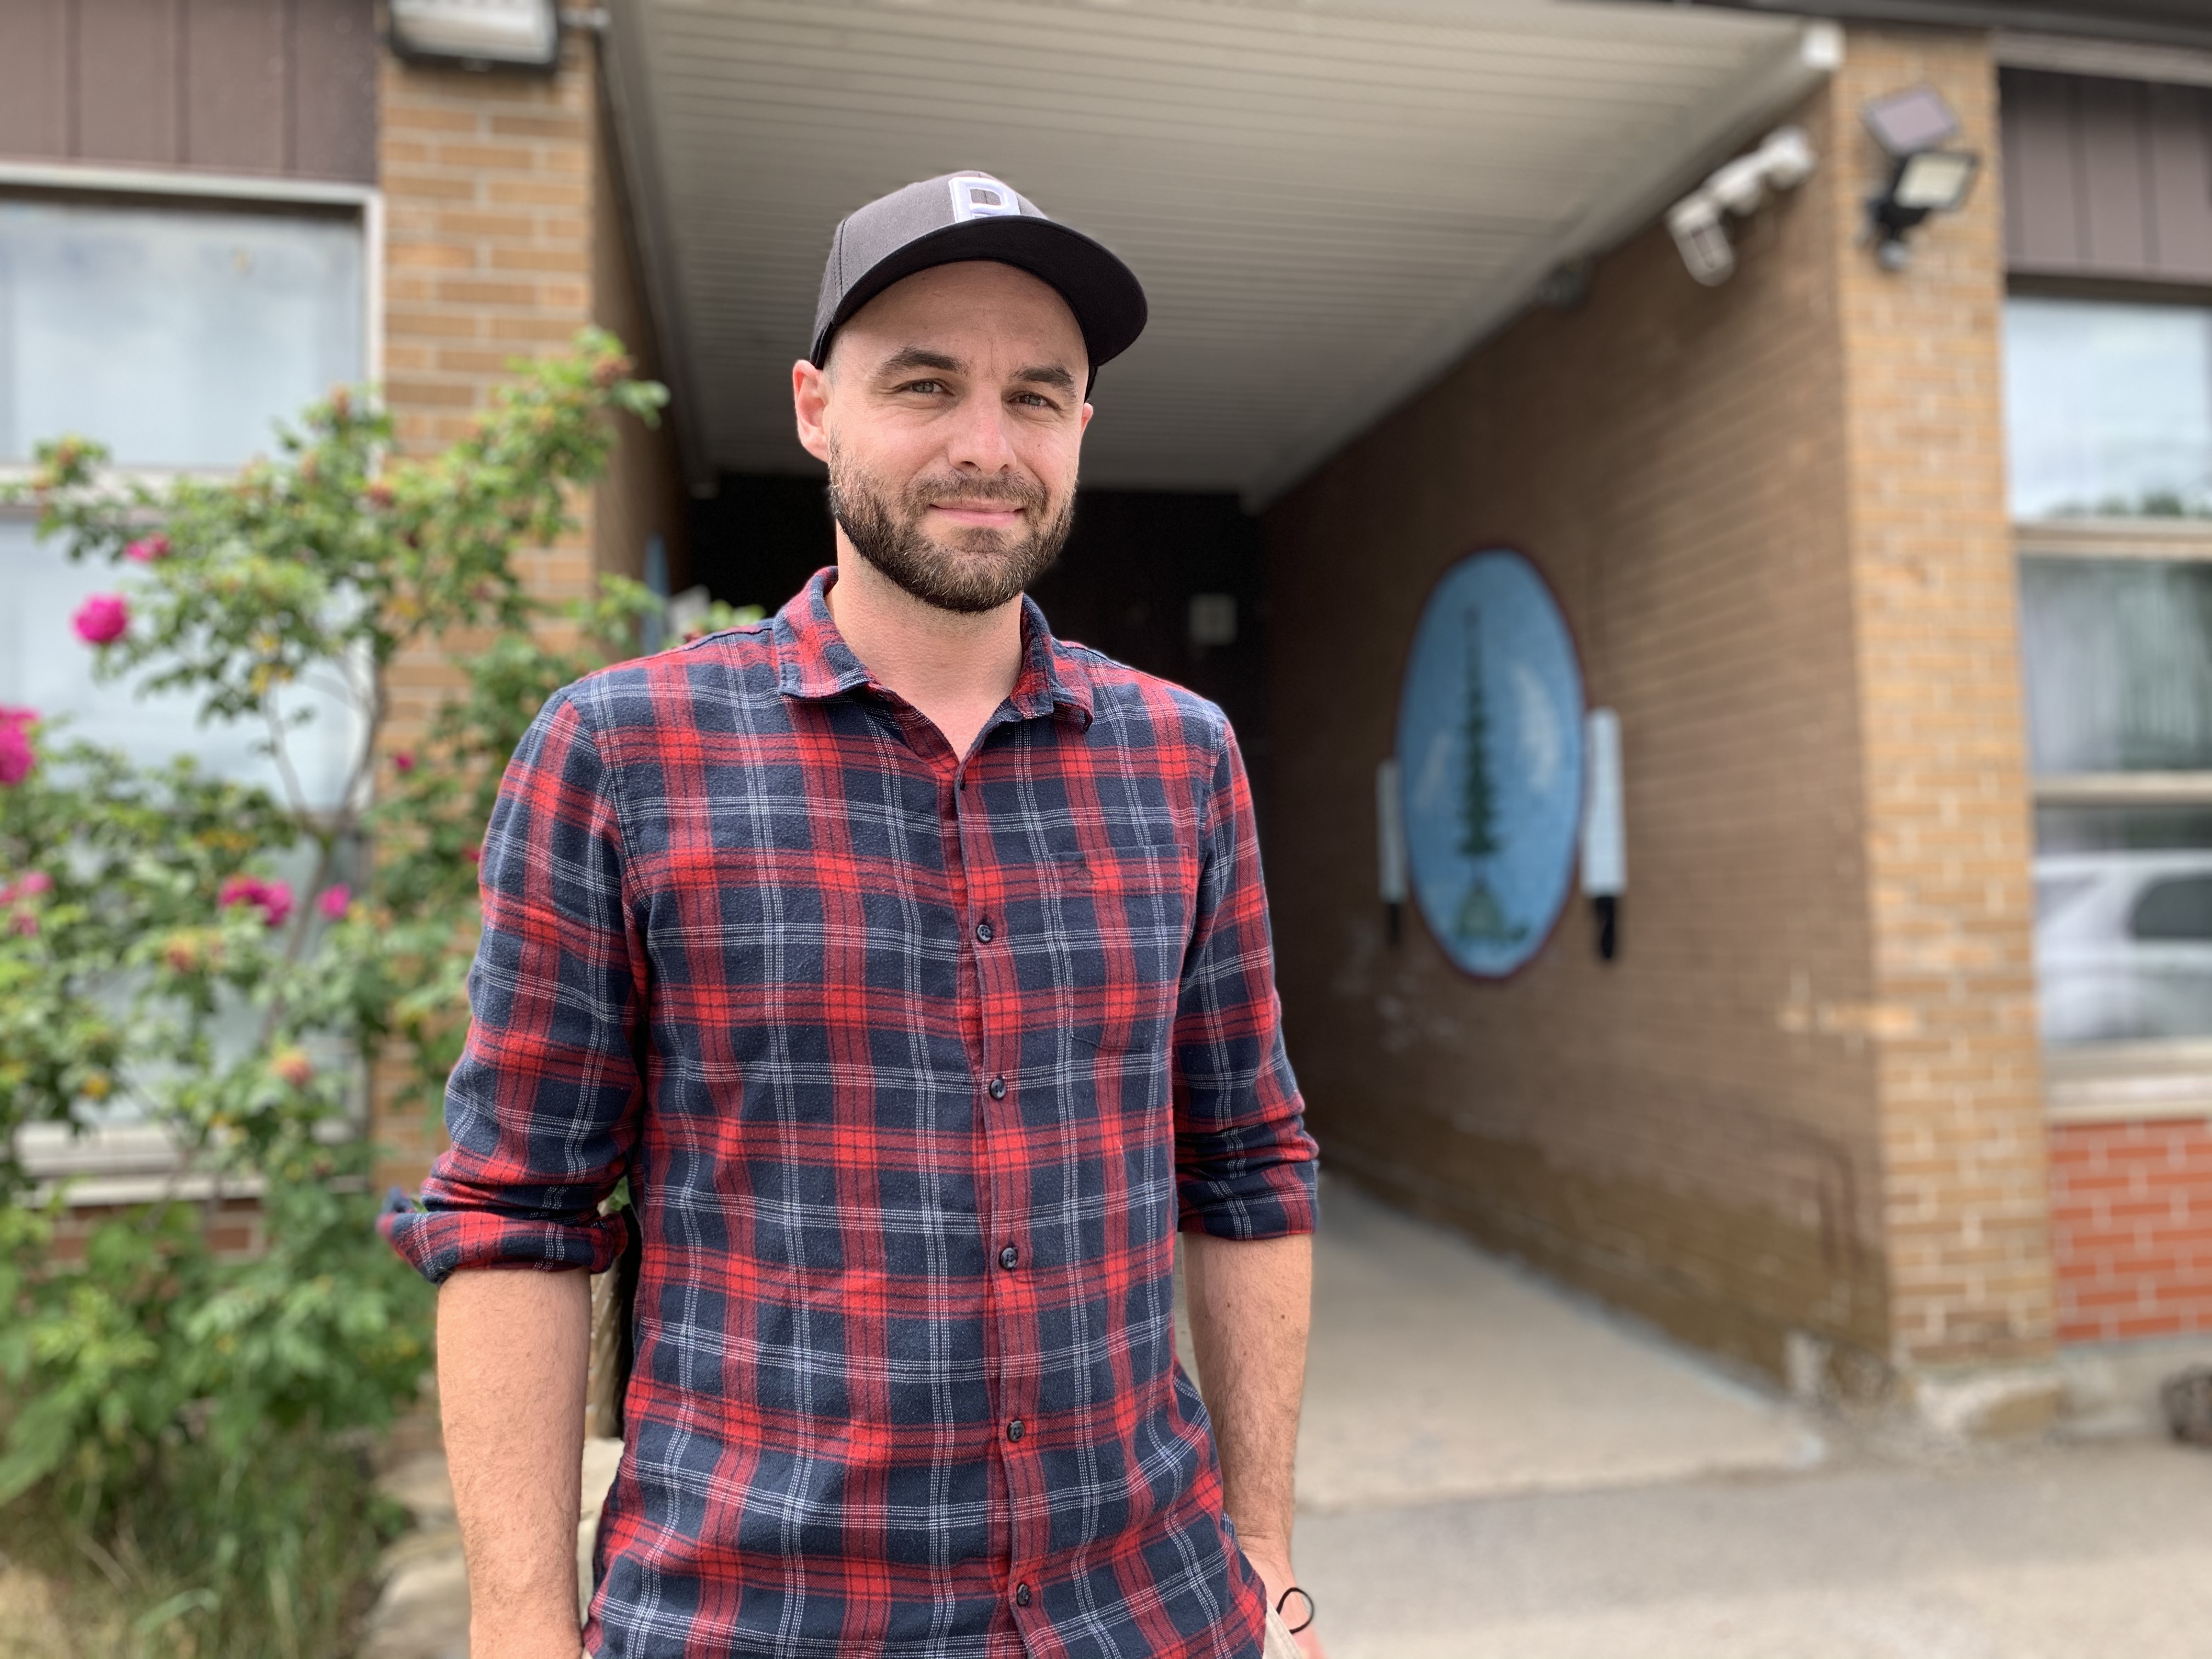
(1952, 1021)
(488, 185)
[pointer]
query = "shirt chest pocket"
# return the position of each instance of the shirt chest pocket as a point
(1096, 940)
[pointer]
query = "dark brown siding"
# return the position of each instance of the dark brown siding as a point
(2107, 178)
(281, 87)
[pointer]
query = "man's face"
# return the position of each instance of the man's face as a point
(952, 415)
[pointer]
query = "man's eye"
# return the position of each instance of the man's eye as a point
(931, 387)
(1033, 399)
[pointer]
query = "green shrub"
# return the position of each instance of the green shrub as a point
(190, 1427)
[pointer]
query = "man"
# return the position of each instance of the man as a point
(912, 965)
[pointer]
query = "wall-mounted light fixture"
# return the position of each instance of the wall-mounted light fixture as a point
(1390, 869)
(1911, 126)
(1699, 223)
(1605, 835)
(478, 34)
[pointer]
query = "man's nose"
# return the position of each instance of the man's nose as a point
(978, 437)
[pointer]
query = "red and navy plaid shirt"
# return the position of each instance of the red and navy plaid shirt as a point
(915, 1066)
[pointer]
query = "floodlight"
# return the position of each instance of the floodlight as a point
(1911, 126)
(1908, 122)
(1935, 180)
(479, 35)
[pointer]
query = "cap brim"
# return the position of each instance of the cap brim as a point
(1108, 301)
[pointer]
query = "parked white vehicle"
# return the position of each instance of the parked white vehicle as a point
(2124, 946)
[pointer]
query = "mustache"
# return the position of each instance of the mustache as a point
(1011, 492)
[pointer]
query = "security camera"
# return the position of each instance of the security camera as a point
(1695, 225)
(1787, 158)
(1739, 185)
(1696, 222)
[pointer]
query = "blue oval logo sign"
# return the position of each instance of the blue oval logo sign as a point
(1490, 748)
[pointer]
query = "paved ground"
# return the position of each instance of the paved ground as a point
(1490, 1468)
(1436, 1371)
(2089, 1551)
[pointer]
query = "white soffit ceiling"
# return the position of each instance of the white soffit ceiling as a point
(1327, 201)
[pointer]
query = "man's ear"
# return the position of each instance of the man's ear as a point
(809, 405)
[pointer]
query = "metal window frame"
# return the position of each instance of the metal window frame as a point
(2122, 1082)
(210, 190)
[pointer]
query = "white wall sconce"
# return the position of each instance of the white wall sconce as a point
(478, 34)
(1911, 126)
(1390, 871)
(1699, 223)
(1605, 834)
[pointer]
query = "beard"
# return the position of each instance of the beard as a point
(972, 571)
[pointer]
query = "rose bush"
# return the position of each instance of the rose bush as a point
(234, 965)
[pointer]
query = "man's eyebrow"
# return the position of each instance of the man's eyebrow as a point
(1051, 374)
(913, 358)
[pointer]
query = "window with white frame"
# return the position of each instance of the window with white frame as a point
(176, 332)
(2110, 438)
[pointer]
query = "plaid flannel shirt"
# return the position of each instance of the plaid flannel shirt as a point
(915, 1066)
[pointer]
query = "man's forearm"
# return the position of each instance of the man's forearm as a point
(512, 1348)
(1251, 1303)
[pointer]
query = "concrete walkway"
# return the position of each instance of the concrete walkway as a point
(2087, 1552)
(1437, 1372)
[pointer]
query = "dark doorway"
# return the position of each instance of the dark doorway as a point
(1169, 582)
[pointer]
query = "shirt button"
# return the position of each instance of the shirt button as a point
(1014, 1430)
(998, 1088)
(1021, 1596)
(985, 931)
(1009, 1257)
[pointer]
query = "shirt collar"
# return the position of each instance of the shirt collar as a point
(813, 661)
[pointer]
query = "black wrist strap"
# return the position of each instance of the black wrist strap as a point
(1310, 1608)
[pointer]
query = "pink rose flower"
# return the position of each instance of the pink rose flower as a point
(295, 1068)
(334, 901)
(17, 757)
(474, 854)
(102, 619)
(277, 902)
(26, 924)
(34, 881)
(272, 898)
(146, 550)
(404, 761)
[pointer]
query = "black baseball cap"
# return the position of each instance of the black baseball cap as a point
(972, 216)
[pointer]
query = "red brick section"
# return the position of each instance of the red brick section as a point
(234, 1228)
(2132, 1228)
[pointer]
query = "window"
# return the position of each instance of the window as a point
(2109, 409)
(2110, 418)
(177, 334)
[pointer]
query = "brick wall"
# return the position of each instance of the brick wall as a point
(505, 235)
(1773, 512)
(2132, 1228)
(1943, 762)
(1692, 1130)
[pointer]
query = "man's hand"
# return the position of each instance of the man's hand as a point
(511, 1347)
(1273, 1563)
(1251, 1303)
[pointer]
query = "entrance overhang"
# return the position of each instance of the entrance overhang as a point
(2185, 24)
(1328, 202)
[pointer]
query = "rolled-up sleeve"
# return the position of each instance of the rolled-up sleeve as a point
(1244, 1164)
(543, 1107)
